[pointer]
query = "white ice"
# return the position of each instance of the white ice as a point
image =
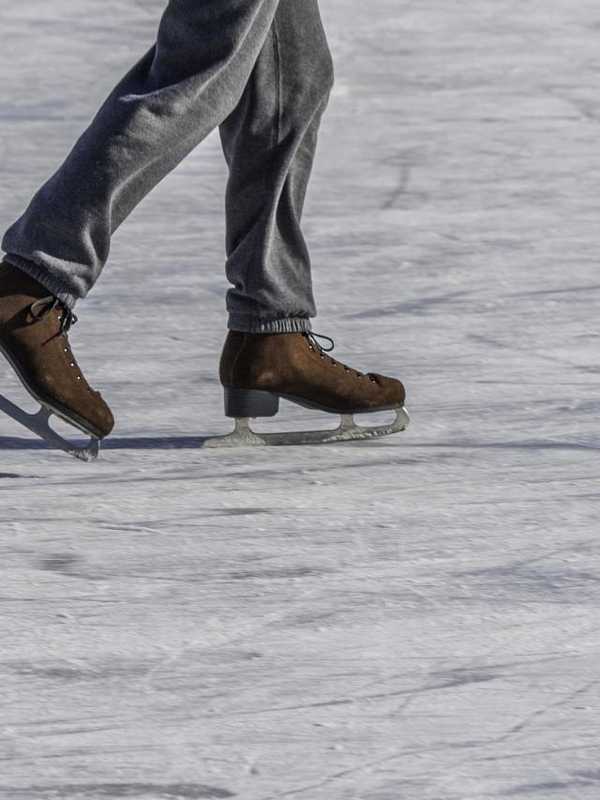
(413, 618)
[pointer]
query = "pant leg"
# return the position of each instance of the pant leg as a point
(179, 91)
(269, 141)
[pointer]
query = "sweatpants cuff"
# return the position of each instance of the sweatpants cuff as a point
(248, 324)
(41, 275)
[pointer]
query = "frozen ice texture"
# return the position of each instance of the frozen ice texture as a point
(414, 618)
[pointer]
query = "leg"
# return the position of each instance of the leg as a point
(179, 91)
(269, 142)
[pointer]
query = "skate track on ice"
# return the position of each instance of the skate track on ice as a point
(409, 619)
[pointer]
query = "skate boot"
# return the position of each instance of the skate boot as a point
(256, 370)
(33, 338)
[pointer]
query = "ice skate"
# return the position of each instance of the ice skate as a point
(34, 339)
(256, 370)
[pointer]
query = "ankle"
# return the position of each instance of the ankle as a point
(14, 280)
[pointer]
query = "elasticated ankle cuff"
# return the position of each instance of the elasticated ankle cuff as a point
(248, 324)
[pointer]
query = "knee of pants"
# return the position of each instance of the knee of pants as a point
(327, 74)
(312, 84)
(302, 52)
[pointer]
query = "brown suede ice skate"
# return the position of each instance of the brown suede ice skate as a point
(257, 369)
(33, 337)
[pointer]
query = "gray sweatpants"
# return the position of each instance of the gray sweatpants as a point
(262, 71)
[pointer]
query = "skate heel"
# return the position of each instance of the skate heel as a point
(250, 403)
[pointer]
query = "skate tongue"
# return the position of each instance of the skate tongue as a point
(40, 308)
(312, 337)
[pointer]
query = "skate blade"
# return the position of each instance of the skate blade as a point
(348, 430)
(38, 423)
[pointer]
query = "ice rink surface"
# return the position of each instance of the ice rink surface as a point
(410, 619)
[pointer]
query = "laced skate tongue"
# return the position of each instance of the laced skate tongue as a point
(311, 337)
(41, 308)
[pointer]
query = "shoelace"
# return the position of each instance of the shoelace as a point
(312, 337)
(314, 344)
(48, 304)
